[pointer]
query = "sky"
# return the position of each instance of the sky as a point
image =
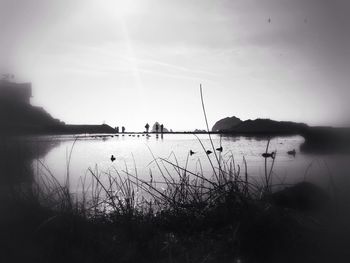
(128, 62)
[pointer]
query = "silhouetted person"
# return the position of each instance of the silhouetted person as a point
(113, 158)
(157, 128)
(147, 127)
(117, 129)
(123, 129)
(161, 128)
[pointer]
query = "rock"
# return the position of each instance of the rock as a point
(302, 196)
(258, 126)
(226, 124)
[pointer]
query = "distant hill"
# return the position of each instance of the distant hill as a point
(258, 126)
(226, 124)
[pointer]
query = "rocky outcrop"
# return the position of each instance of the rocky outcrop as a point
(302, 196)
(267, 126)
(258, 126)
(226, 124)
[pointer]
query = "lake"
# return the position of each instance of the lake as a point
(60, 155)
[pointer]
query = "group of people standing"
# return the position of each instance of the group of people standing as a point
(156, 126)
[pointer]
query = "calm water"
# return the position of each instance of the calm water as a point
(134, 154)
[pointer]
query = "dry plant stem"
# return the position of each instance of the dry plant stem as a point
(206, 122)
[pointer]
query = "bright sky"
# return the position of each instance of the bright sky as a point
(128, 62)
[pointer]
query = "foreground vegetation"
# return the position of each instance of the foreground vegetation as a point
(187, 217)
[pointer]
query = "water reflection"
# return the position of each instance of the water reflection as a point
(17, 155)
(26, 158)
(96, 151)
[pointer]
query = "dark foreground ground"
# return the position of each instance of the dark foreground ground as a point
(285, 227)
